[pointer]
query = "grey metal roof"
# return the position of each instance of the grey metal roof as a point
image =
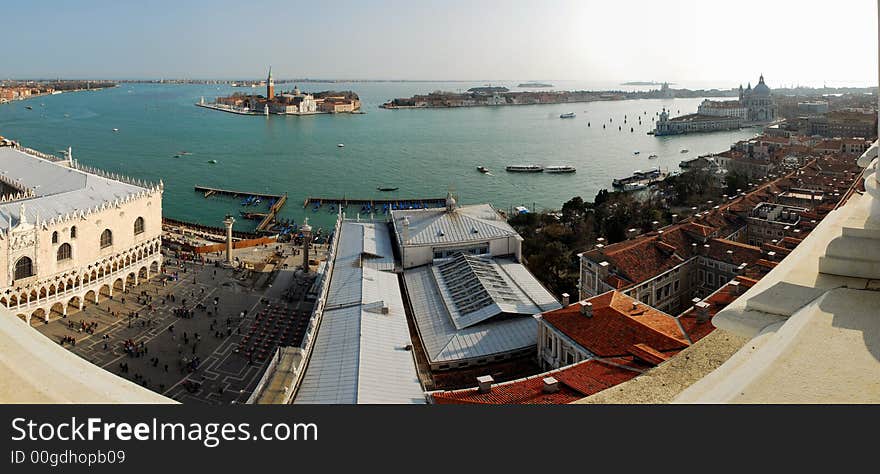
(483, 333)
(359, 354)
(477, 222)
(59, 190)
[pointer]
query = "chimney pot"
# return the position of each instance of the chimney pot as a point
(484, 383)
(551, 385)
(736, 287)
(565, 297)
(702, 311)
(586, 308)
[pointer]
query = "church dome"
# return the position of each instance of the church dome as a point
(761, 89)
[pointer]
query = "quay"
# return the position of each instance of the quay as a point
(278, 201)
(372, 204)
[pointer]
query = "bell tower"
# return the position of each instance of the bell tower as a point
(270, 86)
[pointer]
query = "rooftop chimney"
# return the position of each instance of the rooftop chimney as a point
(565, 297)
(586, 308)
(736, 287)
(484, 383)
(702, 311)
(551, 385)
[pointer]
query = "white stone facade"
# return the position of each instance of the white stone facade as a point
(54, 262)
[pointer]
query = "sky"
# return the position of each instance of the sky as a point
(794, 42)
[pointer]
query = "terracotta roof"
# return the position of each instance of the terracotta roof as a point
(740, 252)
(697, 328)
(615, 326)
(575, 382)
(699, 229)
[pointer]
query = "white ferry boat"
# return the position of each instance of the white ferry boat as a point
(525, 168)
(559, 169)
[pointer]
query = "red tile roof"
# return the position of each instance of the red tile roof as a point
(616, 327)
(575, 382)
(739, 252)
(697, 328)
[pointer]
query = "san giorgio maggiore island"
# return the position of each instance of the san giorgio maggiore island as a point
(294, 102)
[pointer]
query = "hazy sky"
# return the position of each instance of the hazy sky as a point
(807, 41)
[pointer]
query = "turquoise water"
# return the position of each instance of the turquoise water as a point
(423, 152)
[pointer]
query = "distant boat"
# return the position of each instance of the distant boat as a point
(482, 169)
(636, 152)
(213, 162)
(380, 188)
(684, 150)
(115, 129)
(559, 169)
(652, 156)
(568, 115)
(340, 145)
(28, 107)
(525, 168)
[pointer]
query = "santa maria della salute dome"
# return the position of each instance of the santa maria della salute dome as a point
(758, 102)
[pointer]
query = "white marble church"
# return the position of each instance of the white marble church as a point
(70, 234)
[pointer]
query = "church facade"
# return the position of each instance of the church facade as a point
(754, 105)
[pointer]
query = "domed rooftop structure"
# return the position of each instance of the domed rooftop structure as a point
(761, 89)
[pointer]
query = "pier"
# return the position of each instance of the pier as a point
(266, 218)
(394, 204)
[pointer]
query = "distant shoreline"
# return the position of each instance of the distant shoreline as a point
(47, 94)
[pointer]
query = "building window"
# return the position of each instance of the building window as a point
(55, 237)
(73, 232)
(106, 238)
(139, 226)
(24, 268)
(64, 252)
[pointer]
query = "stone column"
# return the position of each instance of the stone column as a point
(856, 252)
(228, 223)
(307, 240)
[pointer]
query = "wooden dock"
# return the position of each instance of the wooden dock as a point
(267, 219)
(374, 202)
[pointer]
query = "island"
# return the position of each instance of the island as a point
(294, 102)
(645, 83)
(534, 84)
(488, 96)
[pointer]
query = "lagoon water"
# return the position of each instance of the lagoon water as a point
(424, 152)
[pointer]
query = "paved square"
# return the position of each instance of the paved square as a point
(182, 333)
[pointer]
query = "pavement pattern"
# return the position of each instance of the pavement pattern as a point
(196, 357)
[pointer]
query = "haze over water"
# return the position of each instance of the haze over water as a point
(423, 152)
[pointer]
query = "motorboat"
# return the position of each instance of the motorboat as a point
(380, 188)
(568, 115)
(559, 169)
(634, 186)
(684, 150)
(340, 145)
(213, 162)
(115, 129)
(525, 168)
(636, 152)
(652, 156)
(482, 169)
